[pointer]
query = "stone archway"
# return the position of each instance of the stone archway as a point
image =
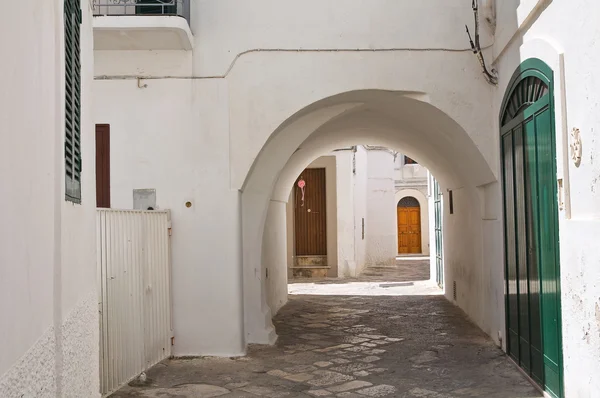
(380, 118)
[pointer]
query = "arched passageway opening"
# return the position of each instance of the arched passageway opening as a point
(404, 121)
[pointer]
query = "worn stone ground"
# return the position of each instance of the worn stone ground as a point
(378, 338)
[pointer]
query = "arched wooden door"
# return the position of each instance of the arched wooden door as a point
(409, 226)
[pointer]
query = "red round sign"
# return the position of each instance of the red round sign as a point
(301, 183)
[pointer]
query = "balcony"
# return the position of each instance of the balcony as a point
(142, 25)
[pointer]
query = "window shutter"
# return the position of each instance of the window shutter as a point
(72, 102)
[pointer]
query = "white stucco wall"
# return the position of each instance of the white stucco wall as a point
(360, 207)
(423, 203)
(345, 213)
(231, 117)
(529, 29)
(48, 300)
(182, 152)
(28, 202)
(408, 173)
(381, 227)
(275, 250)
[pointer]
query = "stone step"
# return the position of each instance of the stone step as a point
(310, 271)
(302, 261)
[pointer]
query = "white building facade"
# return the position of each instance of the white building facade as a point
(412, 190)
(220, 109)
(48, 305)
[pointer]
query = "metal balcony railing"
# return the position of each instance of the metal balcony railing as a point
(179, 8)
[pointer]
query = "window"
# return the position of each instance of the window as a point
(526, 93)
(408, 201)
(408, 160)
(72, 102)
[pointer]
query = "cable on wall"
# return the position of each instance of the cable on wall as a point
(490, 76)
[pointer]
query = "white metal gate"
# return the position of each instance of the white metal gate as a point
(134, 274)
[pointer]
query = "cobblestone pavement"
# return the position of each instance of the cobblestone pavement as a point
(399, 340)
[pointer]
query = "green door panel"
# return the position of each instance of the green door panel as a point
(531, 181)
(532, 270)
(512, 300)
(437, 211)
(548, 248)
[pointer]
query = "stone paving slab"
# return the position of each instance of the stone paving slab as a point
(404, 346)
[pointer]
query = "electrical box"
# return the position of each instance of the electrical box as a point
(144, 199)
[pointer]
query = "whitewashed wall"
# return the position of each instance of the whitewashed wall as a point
(538, 29)
(360, 208)
(408, 173)
(221, 133)
(275, 255)
(346, 246)
(47, 257)
(182, 151)
(381, 226)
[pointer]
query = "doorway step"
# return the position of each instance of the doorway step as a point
(310, 267)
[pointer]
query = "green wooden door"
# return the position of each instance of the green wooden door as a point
(531, 226)
(437, 211)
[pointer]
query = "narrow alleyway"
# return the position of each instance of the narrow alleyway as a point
(385, 334)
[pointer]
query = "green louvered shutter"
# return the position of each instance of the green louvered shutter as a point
(72, 102)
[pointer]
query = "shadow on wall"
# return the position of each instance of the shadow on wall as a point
(391, 119)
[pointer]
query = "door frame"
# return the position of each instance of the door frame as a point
(426, 230)
(536, 68)
(438, 211)
(323, 241)
(420, 224)
(329, 162)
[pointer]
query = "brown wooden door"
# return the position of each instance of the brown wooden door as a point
(409, 229)
(103, 165)
(310, 217)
